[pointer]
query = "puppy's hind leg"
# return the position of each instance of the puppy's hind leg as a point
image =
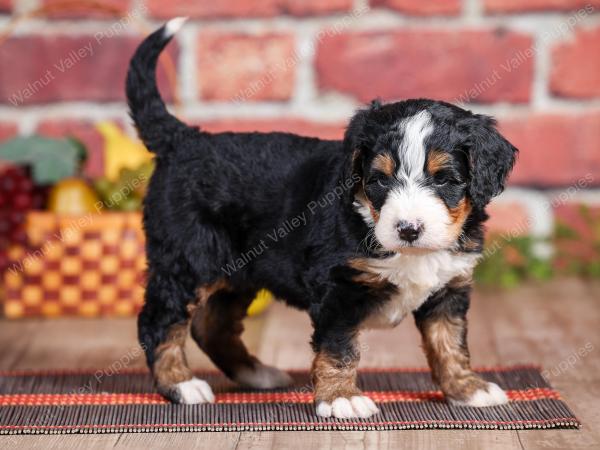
(163, 327)
(217, 328)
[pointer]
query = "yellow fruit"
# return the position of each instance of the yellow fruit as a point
(120, 151)
(72, 196)
(262, 300)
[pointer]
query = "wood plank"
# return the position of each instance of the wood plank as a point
(70, 343)
(16, 338)
(152, 441)
(60, 442)
(555, 325)
(434, 440)
(88, 343)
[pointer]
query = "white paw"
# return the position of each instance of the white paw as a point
(263, 377)
(493, 396)
(194, 391)
(343, 408)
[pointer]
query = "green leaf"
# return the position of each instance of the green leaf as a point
(540, 269)
(509, 279)
(563, 231)
(50, 159)
(594, 269)
(585, 213)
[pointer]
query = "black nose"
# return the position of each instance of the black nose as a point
(409, 232)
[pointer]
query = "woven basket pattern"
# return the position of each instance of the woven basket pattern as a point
(91, 265)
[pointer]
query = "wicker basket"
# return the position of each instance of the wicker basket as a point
(92, 265)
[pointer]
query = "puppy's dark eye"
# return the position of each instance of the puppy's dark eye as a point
(441, 180)
(377, 180)
(444, 178)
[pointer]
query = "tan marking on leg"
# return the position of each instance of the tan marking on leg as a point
(333, 378)
(444, 341)
(217, 328)
(436, 161)
(384, 163)
(170, 365)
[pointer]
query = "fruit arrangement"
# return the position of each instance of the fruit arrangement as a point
(41, 173)
(55, 168)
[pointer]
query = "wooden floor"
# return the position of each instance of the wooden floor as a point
(556, 325)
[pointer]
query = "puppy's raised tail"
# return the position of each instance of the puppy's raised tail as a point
(156, 126)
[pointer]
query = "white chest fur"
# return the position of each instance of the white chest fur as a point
(416, 277)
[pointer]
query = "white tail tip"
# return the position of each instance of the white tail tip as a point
(174, 25)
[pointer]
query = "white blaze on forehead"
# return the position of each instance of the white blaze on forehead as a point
(416, 130)
(413, 201)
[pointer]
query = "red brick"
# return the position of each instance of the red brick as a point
(447, 65)
(513, 6)
(104, 9)
(85, 132)
(7, 131)
(241, 9)
(510, 219)
(576, 66)
(290, 125)
(5, 5)
(421, 8)
(241, 67)
(314, 7)
(555, 150)
(99, 74)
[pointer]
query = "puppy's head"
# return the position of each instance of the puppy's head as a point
(424, 167)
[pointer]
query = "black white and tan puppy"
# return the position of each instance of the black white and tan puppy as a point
(359, 233)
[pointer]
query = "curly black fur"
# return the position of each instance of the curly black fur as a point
(275, 210)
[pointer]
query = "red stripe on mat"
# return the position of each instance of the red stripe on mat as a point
(245, 397)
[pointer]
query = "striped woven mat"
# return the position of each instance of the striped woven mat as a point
(105, 402)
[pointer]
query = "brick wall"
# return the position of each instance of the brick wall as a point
(305, 65)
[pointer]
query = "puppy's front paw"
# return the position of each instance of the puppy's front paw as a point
(348, 408)
(192, 392)
(492, 395)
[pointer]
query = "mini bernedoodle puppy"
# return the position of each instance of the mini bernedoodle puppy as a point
(359, 233)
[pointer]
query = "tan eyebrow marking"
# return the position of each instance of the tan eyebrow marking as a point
(436, 161)
(384, 163)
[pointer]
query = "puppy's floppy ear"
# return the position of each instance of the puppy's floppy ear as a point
(361, 127)
(491, 158)
(357, 137)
